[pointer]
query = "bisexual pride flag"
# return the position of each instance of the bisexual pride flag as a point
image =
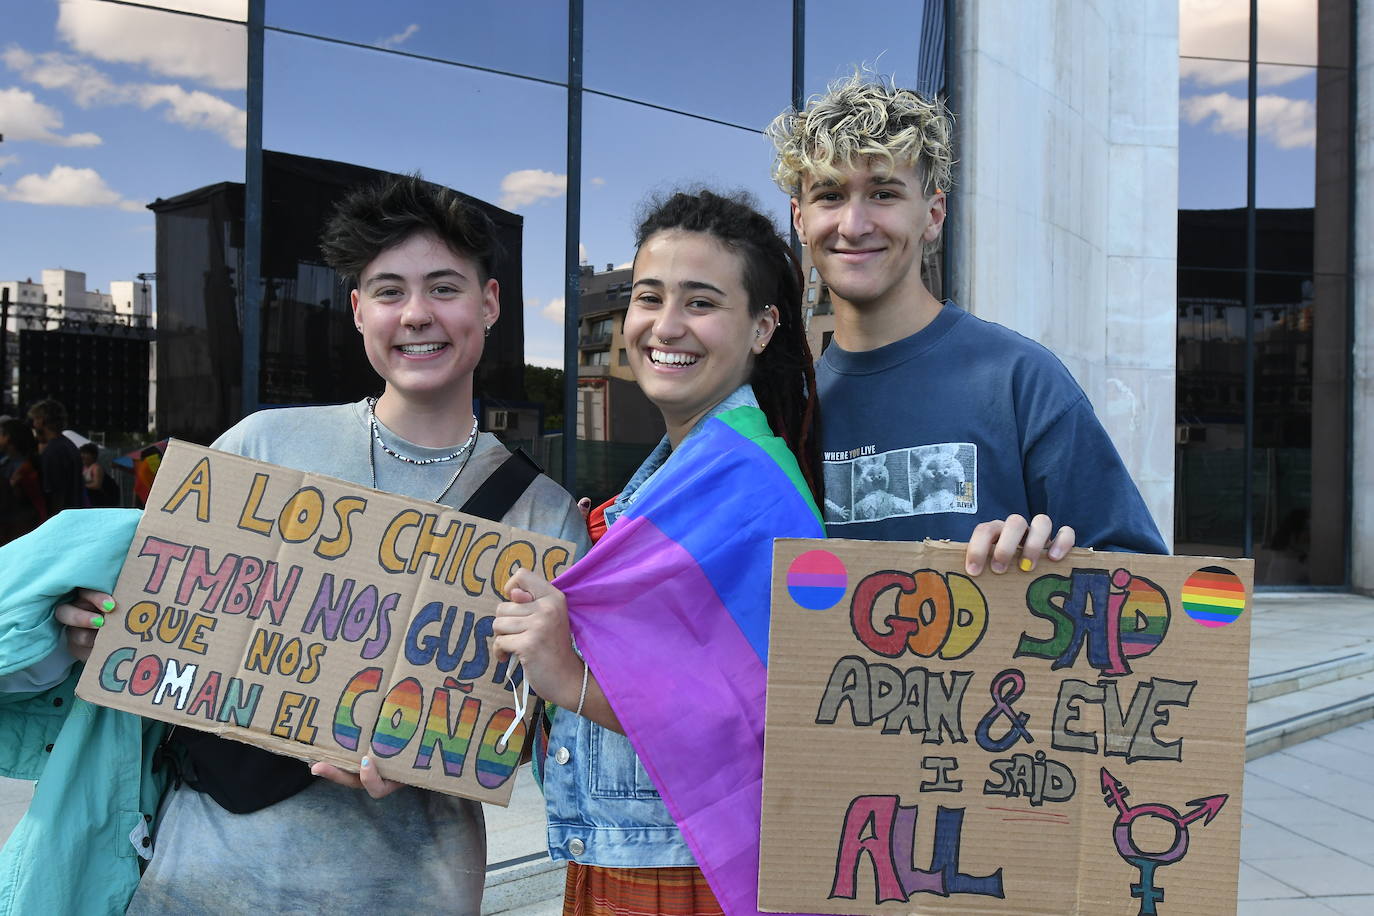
(670, 610)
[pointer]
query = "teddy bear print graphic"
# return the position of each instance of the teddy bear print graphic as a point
(922, 480)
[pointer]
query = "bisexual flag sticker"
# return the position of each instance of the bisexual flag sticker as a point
(817, 580)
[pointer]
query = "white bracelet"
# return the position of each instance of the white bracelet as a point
(582, 697)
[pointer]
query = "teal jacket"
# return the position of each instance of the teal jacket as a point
(74, 851)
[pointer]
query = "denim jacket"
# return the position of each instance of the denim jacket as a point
(602, 807)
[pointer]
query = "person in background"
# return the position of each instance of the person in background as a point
(93, 476)
(26, 508)
(59, 464)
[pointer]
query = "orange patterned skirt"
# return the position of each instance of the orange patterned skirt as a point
(595, 891)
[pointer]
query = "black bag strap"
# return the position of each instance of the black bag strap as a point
(503, 487)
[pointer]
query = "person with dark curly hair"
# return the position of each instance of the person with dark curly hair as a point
(715, 339)
(420, 259)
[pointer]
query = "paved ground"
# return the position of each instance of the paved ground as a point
(1307, 842)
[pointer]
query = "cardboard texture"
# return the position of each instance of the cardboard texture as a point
(1068, 740)
(320, 620)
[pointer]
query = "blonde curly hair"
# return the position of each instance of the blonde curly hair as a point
(863, 119)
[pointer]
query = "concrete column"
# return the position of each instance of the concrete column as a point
(1362, 488)
(1067, 194)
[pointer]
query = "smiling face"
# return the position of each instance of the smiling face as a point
(423, 311)
(867, 230)
(690, 338)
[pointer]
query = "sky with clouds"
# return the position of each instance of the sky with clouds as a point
(105, 107)
(1213, 103)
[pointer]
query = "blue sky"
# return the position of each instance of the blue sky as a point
(105, 107)
(141, 104)
(1213, 34)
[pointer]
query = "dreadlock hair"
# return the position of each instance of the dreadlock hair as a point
(782, 377)
(377, 217)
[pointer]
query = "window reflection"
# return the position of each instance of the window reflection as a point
(887, 39)
(1288, 31)
(1285, 149)
(1210, 462)
(1282, 465)
(1214, 28)
(720, 58)
(1213, 115)
(115, 112)
(530, 37)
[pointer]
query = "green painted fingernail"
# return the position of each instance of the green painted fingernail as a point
(97, 621)
(108, 604)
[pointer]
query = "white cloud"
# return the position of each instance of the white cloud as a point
(546, 362)
(8, 160)
(598, 182)
(67, 187)
(180, 46)
(1220, 29)
(529, 185)
(52, 70)
(1287, 123)
(400, 38)
(198, 110)
(554, 311)
(23, 117)
(194, 109)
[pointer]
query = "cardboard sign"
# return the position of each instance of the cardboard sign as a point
(320, 620)
(1069, 740)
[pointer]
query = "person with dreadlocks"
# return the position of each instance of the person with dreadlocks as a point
(715, 339)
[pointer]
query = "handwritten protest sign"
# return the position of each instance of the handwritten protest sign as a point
(321, 620)
(1069, 740)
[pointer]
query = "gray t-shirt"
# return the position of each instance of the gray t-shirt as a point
(330, 849)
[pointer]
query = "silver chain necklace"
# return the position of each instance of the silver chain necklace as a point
(465, 450)
(377, 435)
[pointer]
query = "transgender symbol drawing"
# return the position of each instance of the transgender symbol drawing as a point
(1115, 793)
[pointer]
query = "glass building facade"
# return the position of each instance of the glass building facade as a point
(1263, 286)
(568, 113)
(565, 113)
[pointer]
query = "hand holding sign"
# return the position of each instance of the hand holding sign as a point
(533, 627)
(83, 616)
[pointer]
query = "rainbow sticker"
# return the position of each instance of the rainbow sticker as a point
(1214, 596)
(817, 580)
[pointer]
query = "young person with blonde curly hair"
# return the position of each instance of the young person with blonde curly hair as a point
(937, 424)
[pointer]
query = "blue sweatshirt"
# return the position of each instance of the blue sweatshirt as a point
(963, 422)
